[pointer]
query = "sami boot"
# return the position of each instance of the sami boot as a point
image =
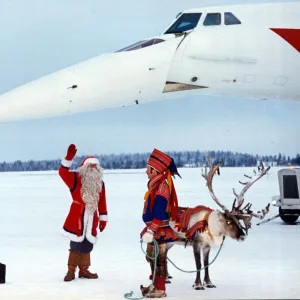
(159, 290)
(85, 262)
(72, 264)
(155, 293)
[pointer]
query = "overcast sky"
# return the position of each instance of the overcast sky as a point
(39, 37)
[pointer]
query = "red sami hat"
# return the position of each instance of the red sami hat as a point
(162, 162)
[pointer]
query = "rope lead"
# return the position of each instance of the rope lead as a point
(156, 252)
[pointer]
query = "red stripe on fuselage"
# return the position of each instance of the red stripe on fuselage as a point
(292, 36)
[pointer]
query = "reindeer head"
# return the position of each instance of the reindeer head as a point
(230, 226)
(231, 220)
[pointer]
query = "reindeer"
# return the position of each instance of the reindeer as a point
(205, 228)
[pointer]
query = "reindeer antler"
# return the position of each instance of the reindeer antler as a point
(246, 213)
(209, 177)
(240, 197)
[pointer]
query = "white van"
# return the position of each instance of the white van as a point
(288, 201)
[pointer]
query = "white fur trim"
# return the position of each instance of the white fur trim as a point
(87, 230)
(66, 163)
(71, 236)
(92, 239)
(93, 161)
(103, 218)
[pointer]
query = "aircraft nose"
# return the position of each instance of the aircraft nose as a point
(75, 89)
(106, 81)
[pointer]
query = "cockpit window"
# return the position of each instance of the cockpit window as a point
(212, 19)
(141, 44)
(184, 23)
(231, 19)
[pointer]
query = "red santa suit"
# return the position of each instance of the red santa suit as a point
(79, 223)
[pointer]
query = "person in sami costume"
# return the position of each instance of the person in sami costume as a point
(161, 206)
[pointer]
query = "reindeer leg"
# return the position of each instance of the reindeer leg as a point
(169, 246)
(207, 281)
(167, 277)
(197, 255)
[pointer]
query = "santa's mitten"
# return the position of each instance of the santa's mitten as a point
(102, 225)
(71, 152)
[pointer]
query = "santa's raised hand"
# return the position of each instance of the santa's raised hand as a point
(71, 152)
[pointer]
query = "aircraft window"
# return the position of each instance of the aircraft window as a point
(141, 44)
(212, 19)
(184, 23)
(231, 19)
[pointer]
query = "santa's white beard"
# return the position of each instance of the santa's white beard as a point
(91, 181)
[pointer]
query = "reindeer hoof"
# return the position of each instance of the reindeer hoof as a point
(198, 287)
(170, 277)
(210, 286)
(168, 281)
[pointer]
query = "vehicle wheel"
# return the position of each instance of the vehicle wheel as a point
(288, 218)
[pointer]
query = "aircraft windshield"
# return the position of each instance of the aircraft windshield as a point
(185, 22)
(141, 44)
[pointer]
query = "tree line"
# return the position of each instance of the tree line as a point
(139, 160)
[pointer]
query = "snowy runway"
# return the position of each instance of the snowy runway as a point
(33, 206)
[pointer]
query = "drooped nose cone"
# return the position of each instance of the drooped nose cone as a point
(108, 80)
(82, 87)
(50, 95)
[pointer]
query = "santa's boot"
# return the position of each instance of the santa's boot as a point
(85, 262)
(159, 290)
(72, 264)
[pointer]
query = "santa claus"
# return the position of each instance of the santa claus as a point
(87, 212)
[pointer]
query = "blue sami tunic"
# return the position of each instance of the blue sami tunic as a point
(157, 219)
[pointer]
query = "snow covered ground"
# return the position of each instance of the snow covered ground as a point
(33, 206)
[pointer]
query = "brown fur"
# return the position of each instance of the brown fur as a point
(229, 226)
(161, 263)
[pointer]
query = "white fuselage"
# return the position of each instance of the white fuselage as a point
(257, 58)
(245, 60)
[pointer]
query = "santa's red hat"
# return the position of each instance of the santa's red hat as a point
(90, 160)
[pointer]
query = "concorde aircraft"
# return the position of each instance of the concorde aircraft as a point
(245, 51)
